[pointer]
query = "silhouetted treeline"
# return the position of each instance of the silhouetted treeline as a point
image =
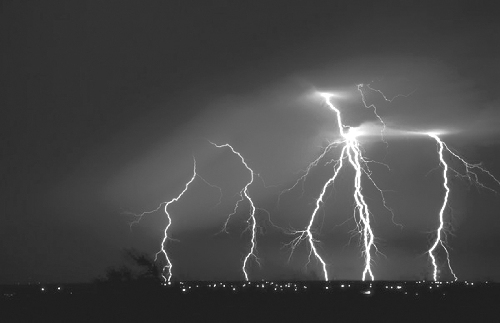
(139, 268)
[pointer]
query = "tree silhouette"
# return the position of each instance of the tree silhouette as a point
(140, 268)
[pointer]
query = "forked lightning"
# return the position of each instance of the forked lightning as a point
(252, 222)
(471, 175)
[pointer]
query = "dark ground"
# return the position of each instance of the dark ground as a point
(290, 302)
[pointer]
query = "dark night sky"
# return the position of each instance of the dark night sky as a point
(104, 103)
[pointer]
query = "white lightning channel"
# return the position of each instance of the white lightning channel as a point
(440, 232)
(168, 267)
(352, 151)
(307, 234)
(252, 222)
(470, 175)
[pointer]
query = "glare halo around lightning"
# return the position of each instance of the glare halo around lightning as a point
(471, 176)
(352, 148)
(252, 222)
(352, 151)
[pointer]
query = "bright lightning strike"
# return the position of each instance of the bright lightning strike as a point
(472, 176)
(440, 233)
(252, 222)
(168, 267)
(307, 233)
(351, 151)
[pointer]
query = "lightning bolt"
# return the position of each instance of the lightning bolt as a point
(351, 151)
(303, 177)
(472, 176)
(163, 251)
(360, 90)
(356, 159)
(362, 86)
(307, 233)
(252, 222)
(440, 233)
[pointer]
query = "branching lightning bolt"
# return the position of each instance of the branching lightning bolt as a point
(374, 107)
(351, 151)
(360, 89)
(383, 95)
(168, 267)
(252, 222)
(303, 177)
(307, 233)
(440, 232)
(471, 176)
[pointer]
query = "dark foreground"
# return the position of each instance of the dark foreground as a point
(253, 302)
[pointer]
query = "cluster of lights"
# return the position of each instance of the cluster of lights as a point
(365, 289)
(263, 286)
(398, 287)
(43, 289)
(416, 288)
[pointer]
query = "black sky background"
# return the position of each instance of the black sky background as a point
(105, 103)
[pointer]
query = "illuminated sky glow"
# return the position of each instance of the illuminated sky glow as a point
(105, 106)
